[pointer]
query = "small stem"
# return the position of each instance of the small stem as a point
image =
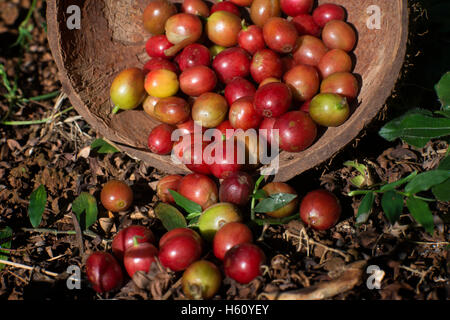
(244, 25)
(30, 12)
(32, 122)
(115, 109)
(44, 96)
(135, 240)
(5, 79)
(193, 215)
(174, 49)
(252, 208)
(88, 233)
(420, 198)
(358, 192)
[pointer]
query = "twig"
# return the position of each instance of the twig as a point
(417, 272)
(81, 131)
(421, 274)
(22, 266)
(79, 234)
(304, 236)
(171, 290)
(18, 277)
(59, 102)
(56, 258)
(263, 232)
(431, 243)
(351, 276)
(88, 233)
(31, 122)
(9, 250)
(70, 119)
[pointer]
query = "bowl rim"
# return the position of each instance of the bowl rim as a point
(291, 164)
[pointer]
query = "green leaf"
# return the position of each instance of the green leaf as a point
(188, 205)
(398, 183)
(359, 180)
(392, 204)
(421, 213)
(445, 113)
(360, 167)
(365, 207)
(442, 191)
(38, 201)
(443, 90)
(193, 223)
(426, 180)
(274, 202)
(416, 129)
(193, 215)
(85, 208)
(260, 194)
(444, 164)
(170, 217)
(5, 242)
(103, 146)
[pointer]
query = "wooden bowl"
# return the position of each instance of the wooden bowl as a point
(111, 38)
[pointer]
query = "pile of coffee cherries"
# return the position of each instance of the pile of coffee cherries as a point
(288, 67)
(222, 229)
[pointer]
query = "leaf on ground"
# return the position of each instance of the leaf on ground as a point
(85, 208)
(443, 91)
(361, 179)
(170, 217)
(424, 181)
(103, 146)
(365, 207)
(36, 208)
(442, 190)
(392, 204)
(5, 242)
(421, 213)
